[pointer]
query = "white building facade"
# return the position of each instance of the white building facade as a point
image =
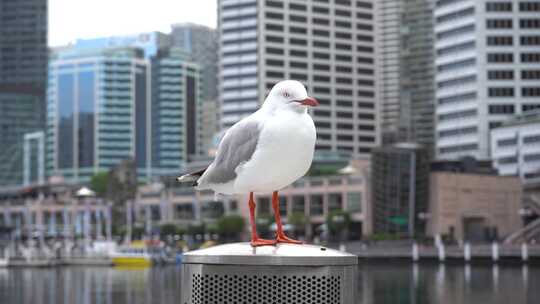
(487, 70)
(327, 45)
(515, 148)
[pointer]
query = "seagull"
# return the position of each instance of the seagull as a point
(263, 153)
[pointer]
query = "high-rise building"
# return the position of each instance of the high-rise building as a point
(487, 69)
(515, 148)
(98, 112)
(201, 43)
(406, 70)
(106, 105)
(400, 189)
(327, 45)
(23, 74)
(176, 98)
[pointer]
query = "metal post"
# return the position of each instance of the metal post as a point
(441, 252)
(415, 253)
(495, 252)
(467, 252)
(108, 219)
(128, 221)
(99, 229)
(524, 252)
(242, 272)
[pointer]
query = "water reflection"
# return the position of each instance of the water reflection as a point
(441, 284)
(90, 285)
(378, 284)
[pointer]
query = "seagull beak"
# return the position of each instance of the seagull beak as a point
(310, 101)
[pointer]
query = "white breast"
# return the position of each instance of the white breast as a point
(284, 154)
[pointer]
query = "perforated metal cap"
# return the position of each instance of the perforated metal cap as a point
(281, 254)
(238, 273)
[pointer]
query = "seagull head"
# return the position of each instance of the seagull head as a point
(290, 94)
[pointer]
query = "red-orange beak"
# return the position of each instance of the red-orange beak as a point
(310, 101)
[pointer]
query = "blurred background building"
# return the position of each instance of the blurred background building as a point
(23, 74)
(515, 147)
(405, 41)
(400, 189)
(176, 100)
(201, 45)
(488, 69)
(110, 104)
(469, 203)
(98, 112)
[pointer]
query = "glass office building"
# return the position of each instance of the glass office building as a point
(176, 97)
(97, 112)
(106, 105)
(23, 72)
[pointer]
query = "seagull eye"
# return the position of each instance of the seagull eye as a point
(286, 95)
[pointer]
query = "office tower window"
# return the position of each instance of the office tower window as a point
(530, 40)
(297, 18)
(466, 29)
(531, 139)
(530, 91)
(456, 15)
(500, 40)
(529, 6)
(530, 107)
(297, 7)
(499, 6)
(501, 109)
(456, 48)
(274, 27)
(530, 74)
(456, 65)
(499, 23)
(529, 23)
(457, 98)
(501, 92)
(500, 74)
(458, 148)
(459, 114)
(530, 57)
(456, 81)
(500, 57)
(507, 142)
(459, 131)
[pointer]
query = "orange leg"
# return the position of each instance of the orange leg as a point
(280, 236)
(255, 240)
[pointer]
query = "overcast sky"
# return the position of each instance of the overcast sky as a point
(72, 19)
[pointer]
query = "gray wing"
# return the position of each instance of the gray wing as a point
(236, 147)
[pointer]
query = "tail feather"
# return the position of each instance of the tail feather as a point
(191, 177)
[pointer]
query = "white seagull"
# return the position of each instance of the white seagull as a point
(264, 153)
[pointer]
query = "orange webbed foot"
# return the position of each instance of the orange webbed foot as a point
(262, 242)
(287, 240)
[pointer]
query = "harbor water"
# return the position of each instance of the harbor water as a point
(377, 283)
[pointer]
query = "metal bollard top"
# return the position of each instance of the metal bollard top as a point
(281, 254)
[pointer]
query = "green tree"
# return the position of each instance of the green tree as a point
(99, 182)
(170, 229)
(230, 226)
(338, 222)
(298, 220)
(263, 223)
